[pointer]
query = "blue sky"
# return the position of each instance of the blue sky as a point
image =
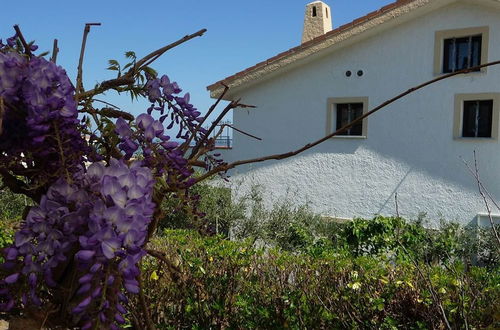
(240, 34)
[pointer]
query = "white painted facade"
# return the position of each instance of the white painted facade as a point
(409, 148)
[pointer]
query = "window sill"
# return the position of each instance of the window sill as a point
(483, 219)
(348, 137)
(475, 139)
(483, 71)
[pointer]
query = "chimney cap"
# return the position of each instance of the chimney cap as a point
(317, 20)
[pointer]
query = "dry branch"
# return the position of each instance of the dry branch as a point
(475, 173)
(27, 49)
(79, 79)
(55, 51)
(128, 78)
(226, 167)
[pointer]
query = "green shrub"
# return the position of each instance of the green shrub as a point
(297, 229)
(412, 241)
(216, 283)
(214, 202)
(12, 205)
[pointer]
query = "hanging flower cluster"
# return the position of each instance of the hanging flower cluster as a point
(102, 220)
(94, 206)
(38, 117)
(159, 152)
(157, 148)
(162, 93)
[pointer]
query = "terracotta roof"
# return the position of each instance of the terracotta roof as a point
(312, 42)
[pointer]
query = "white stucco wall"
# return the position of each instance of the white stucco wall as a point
(409, 147)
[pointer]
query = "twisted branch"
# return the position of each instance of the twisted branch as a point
(128, 78)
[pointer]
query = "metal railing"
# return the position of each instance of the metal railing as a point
(224, 142)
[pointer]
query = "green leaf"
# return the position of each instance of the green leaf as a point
(130, 54)
(150, 70)
(113, 62)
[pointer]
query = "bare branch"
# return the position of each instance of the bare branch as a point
(226, 167)
(107, 103)
(243, 132)
(144, 305)
(174, 271)
(209, 112)
(214, 106)
(86, 30)
(229, 107)
(27, 49)
(475, 174)
(55, 51)
(162, 50)
(113, 113)
(396, 203)
(128, 78)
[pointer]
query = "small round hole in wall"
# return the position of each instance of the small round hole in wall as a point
(348, 73)
(360, 73)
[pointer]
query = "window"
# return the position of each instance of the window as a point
(342, 111)
(460, 49)
(477, 118)
(314, 11)
(461, 53)
(347, 112)
(476, 115)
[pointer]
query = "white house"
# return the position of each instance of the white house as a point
(412, 147)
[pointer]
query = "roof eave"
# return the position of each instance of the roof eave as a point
(320, 45)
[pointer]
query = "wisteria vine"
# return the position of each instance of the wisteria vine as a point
(97, 187)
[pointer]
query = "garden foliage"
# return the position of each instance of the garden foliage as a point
(212, 282)
(311, 272)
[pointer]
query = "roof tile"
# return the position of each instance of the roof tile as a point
(314, 41)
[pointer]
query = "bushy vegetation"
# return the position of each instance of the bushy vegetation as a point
(213, 282)
(297, 229)
(219, 212)
(12, 207)
(289, 268)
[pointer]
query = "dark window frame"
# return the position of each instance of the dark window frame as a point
(477, 118)
(440, 48)
(473, 120)
(454, 52)
(352, 110)
(332, 116)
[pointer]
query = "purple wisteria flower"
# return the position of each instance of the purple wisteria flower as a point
(104, 217)
(148, 135)
(92, 218)
(39, 118)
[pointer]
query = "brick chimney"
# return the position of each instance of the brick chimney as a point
(317, 20)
